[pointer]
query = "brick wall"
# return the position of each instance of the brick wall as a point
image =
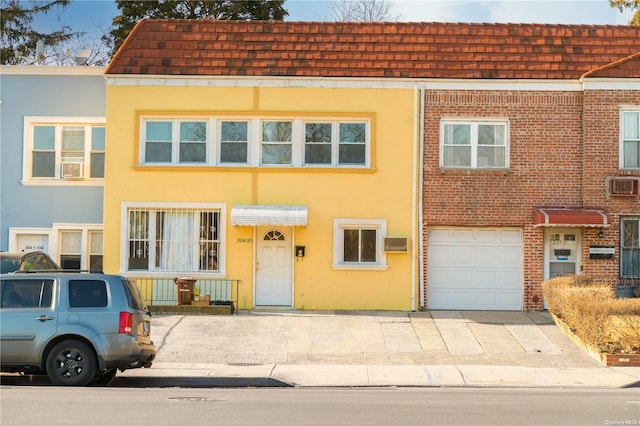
(601, 160)
(545, 168)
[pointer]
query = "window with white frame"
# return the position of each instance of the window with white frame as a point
(174, 239)
(630, 247)
(337, 143)
(79, 246)
(70, 249)
(95, 250)
(63, 149)
(234, 141)
(277, 142)
(176, 141)
(474, 144)
(255, 141)
(358, 243)
(630, 139)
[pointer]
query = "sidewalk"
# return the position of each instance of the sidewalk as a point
(437, 348)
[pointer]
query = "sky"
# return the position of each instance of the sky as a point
(95, 16)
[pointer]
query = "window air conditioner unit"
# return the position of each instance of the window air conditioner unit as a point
(72, 170)
(623, 186)
(396, 244)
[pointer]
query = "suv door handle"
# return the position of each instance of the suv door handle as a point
(43, 318)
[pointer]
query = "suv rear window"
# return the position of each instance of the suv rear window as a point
(27, 293)
(133, 295)
(87, 294)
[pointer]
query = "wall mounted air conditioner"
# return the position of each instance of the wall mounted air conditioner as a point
(72, 170)
(623, 186)
(396, 244)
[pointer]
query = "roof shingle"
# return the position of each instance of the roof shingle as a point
(379, 50)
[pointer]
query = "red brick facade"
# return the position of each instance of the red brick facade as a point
(562, 147)
(601, 160)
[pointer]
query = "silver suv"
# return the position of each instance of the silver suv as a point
(78, 328)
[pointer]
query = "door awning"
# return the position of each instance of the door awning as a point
(559, 217)
(262, 215)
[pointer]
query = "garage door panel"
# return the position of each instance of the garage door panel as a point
(486, 256)
(460, 277)
(439, 236)
(487, 236)
(462, 235)
(486, 300)
(513, 236)
(511, 257)
(511, 279)
(475, 269)
(487, 279)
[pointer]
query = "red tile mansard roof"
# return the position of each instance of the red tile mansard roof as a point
(378, 50)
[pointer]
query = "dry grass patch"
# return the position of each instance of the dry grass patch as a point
(594, 314)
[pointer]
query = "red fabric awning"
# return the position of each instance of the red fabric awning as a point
(588, 218)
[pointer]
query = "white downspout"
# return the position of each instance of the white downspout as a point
(416, 211)
(414, 189)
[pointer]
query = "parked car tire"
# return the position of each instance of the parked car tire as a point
(104, 379)
(71, 363)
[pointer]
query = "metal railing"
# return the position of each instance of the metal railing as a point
(164, 291)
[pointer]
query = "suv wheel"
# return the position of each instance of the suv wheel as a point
(71, 363)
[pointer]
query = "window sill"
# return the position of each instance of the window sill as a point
(251, 168)
(362, 267)
(61, 182)
(477, 171)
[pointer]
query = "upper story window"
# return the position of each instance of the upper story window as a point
(277, 142)
(176, 142)
(335, 144)
(630, 139)
(474, 144)
(63, 149)
(255, 142)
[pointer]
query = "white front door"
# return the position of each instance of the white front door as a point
(273, 266)
(563, 251)
(33, 242)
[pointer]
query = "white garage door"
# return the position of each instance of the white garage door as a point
(475, 269)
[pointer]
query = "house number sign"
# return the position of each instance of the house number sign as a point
(601, 252)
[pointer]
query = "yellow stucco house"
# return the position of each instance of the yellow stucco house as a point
(246, 151)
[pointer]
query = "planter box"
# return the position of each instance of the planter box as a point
(606, 359)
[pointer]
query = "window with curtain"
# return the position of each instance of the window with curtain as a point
(630, 247)
(173, 239)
